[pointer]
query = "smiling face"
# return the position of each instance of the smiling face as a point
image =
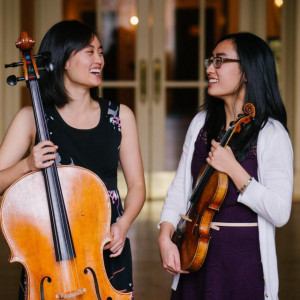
(224, 82)
(84, 68)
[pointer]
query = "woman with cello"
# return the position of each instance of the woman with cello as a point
(241, 258)
(85, 130)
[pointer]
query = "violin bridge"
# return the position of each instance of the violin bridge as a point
(185, 217)
(71, 295)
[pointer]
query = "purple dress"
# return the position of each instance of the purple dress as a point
(232, 269)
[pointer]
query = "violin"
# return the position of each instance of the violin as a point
(192, 235)
(57, 221)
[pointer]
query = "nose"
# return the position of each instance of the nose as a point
(99, 58)
(210, 69)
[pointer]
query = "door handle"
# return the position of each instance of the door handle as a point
(143, 79)
(157, 79)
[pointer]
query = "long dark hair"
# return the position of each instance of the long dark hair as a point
(61, 41)
(258, 67)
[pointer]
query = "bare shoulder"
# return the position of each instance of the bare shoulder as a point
(126, 114)
(26, 113)
(24, 121)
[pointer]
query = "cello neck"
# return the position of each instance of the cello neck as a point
(62, 238)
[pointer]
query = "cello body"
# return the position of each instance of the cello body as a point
(26, 226)
(57, 221)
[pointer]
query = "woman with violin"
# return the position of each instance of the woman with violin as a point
(241, 258)
(85, 130)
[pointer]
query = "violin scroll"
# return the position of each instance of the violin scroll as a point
(243, 119)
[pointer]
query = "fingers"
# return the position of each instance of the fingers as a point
(115, 248)
(170, 258)
(117, 253)
(214, 144)
(117, 244)
(173, 266)
(42, 155)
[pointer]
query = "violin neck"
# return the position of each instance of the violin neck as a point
(208, 171)
(62, 238)
(226, 138)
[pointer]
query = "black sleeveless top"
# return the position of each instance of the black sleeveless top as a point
(96, 149)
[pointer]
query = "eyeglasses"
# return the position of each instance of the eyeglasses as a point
(218, 61)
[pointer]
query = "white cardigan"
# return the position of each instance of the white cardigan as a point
(270, 197)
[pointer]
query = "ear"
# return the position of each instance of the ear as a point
(67, 65)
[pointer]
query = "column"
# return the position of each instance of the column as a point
(47, 13)
(253, 17)
(9, 33)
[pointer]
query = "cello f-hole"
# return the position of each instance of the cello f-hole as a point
(95, 281)
(42, 286)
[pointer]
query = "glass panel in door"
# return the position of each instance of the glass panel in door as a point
(118, 32)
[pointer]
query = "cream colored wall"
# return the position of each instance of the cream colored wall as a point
(295, 66)
(9, 29)
(49, 12)
(290, 79)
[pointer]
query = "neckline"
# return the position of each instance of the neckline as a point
(81, 129)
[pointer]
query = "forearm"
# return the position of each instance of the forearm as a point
(166, 232)
(133, 204)
(238, 175)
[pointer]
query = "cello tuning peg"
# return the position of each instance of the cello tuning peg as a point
(46, 55)
(49, 67)
(13, 80)
(13, 65)
(43, 55)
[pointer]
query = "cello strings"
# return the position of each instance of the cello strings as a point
(44, 135)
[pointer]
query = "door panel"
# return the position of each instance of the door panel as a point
(155, 67)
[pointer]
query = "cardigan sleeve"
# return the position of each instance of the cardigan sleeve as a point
(271, 196)
(175, 201)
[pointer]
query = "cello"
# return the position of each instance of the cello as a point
(192, 235)
(57, 221)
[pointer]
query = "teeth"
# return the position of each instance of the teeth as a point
(95, 71)
(212, 80)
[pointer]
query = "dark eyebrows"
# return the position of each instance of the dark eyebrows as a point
(221, 54)
(92, 46)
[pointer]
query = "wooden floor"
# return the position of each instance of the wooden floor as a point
(151, 281)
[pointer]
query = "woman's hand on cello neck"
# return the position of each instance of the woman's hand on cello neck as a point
(17, 143)
(42, 156)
